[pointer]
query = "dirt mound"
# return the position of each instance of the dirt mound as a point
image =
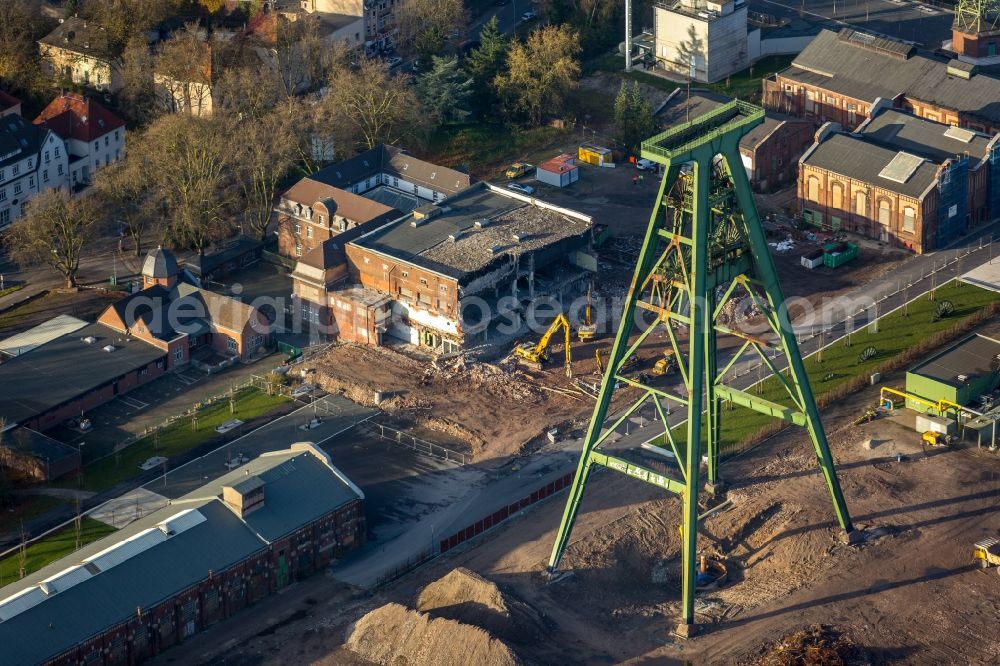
(397, 636)
(816, 645)
(467, 597)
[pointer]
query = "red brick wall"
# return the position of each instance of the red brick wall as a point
(403, 281)
(244, 583)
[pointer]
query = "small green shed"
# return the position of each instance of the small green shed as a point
(959, 374)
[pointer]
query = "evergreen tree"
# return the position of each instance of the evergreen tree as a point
(633, 116)
(445, 90)
(484, 63)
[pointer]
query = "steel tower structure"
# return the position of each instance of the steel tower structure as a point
(704, 246)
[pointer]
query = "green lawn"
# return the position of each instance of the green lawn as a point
(51, 548)
(745, 85)
(898, 338)
(10, 290)
(175, 439)
(26, 508)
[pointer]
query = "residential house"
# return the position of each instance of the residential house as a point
(187, 91)
(368, 189)
(32, 159)
(94, 136)
(844, 76)
(901, 179)
(78, 52)
(412, 279)
(203, 557)
(9, 105)
(770, 152)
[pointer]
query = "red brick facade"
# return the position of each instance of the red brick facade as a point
(223, 593)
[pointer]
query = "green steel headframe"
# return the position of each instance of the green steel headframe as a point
(704, 246)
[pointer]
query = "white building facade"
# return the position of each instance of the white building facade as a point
(32, 159)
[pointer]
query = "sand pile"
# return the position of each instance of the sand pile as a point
(397, 636)
(467, 597)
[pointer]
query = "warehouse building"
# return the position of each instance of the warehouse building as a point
(960, 374)
(31, 456)
(842, 76)
(770, 152)
(901, 179)
(200, 559)
(416, 279)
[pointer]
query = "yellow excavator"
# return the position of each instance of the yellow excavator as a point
(536, 355)
(666, 363)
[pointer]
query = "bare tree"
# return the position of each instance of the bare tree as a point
(381, 108)
(267, 153)
(125, 188)
(190, 164)
(246, 92)
(55, 231)
(183, 72)
(423, 25)
(21, 23)
(138, 93)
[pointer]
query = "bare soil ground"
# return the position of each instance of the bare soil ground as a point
(908, 594)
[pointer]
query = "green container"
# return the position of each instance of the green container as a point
(832, 258)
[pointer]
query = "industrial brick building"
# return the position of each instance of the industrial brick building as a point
(901, 179)
(200, 559)
(31, 456)
(370, 189)
(413, 278)
(770, 152)
(842, 76)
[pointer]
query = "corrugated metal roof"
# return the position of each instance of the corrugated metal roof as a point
(866, 74)
(47, 331)
(853, 157)
(142, 564)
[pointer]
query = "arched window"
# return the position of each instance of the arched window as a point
(813, 189)
(884, 212)
(838, 196)
(909, 219)
(861, 203)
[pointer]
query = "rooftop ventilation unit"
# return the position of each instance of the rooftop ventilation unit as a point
(89, 339)
(482, 223)
(109, 348)
(455, 236)
(496, 249)
(963, 378)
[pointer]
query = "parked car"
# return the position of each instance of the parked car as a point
(645, 165)
(517, 169)
(453, 35)
(521, 187)
(394, 61)
(528, 15)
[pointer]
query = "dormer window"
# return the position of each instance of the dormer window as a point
(321, 219)
(298, 209)
(309, 213)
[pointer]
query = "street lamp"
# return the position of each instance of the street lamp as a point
(80, 475)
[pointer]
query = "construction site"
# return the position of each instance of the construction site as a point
(663, 486)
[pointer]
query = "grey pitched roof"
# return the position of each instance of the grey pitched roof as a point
(841, 63)
(170, 550)
(397, 162)
(67, 367)
(684, 107)
(80, 36)
(853, 157)
(902, 131)
(159, 263)
(19, 139)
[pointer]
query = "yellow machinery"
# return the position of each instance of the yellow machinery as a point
(588, 329)
(931, 438)
(666, 364)
(987, 551)
(534, 356)
(601, 354)
(942, 406)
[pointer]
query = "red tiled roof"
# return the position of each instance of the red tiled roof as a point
(7, 101)
(76, 116)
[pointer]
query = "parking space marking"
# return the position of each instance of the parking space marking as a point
(133, 403)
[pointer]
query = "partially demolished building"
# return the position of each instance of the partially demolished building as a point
(451, 275)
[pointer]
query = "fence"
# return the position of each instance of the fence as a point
(502, 514)
(418, 445)
(254, 381)
(409, 565)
